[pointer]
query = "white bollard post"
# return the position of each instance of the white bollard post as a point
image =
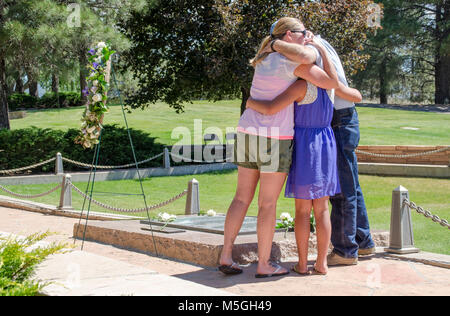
(193, 198)
(59, 169)
(401, 233)
(65, 201)
(166, 163)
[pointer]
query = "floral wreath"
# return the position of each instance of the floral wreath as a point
(97, 94)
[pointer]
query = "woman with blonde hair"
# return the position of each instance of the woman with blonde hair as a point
(264, 144)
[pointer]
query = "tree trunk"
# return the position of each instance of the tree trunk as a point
(19, 86)
(442, 58)
(4, 118)
(83, 74)
(442, 80)
(383, 83)
(245, 96)
(34, 91)
(55, 83)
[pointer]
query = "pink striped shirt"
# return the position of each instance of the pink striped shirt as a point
(272, 77)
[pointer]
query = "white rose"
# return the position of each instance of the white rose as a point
(165, 217)
(286, 217)
(97, 98)
(211, 213)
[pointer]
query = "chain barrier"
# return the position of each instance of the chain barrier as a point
(121, 210)
(199, 161)
(427, 214)
(85, 165)
(28, 167)
(402, 156)
(24, 196)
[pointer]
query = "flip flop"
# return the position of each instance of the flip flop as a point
(317, 272)
(230, 269)
(295, 269)
(274, 274)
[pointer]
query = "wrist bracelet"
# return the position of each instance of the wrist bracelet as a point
(271, 46)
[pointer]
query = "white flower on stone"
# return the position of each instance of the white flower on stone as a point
(97, 98)
(286, 217)
(211, 213)
(165, 217)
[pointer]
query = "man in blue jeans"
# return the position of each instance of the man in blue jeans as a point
(350, 223)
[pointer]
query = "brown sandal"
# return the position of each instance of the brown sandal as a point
(231, 269)
(296, 270)
(317, 272)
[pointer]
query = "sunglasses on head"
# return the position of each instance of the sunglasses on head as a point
(304, 32)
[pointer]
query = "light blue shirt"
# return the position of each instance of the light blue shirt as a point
(339, 103)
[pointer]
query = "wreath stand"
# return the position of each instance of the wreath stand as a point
(91, 182)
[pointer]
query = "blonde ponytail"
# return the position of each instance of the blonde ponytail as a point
(282, 26)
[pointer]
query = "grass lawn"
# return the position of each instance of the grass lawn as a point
(217, 190)
(378, 126)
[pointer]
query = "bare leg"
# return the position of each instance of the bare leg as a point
(323, 226)
(270, 189)
(245, 191)
(302, 232)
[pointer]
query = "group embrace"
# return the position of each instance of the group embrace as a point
(300, 126)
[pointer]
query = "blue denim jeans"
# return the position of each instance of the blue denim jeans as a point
(349, 220)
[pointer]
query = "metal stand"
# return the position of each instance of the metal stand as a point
(90, 185)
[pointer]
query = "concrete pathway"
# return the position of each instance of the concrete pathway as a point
(85, 274)
(106, 270)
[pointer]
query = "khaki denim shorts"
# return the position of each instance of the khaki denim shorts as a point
(268, 155)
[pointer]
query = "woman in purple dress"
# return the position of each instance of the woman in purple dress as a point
(313, 176)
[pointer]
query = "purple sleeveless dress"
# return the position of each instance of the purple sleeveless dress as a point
(313, 173)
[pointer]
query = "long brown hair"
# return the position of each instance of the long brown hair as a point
(282, 26)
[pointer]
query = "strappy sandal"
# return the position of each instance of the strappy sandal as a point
(274, 274)
(296, 270)
(232, 269)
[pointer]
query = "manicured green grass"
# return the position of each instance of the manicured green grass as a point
(217, 191)
(378, 126)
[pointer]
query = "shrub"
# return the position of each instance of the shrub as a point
(18, 101)
(60, 100)
(20, 148)
(49, 100)
(19, 258)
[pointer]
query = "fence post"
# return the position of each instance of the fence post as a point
(401, 233)
(65, 201)
(193, 198)
(166, 163)
(59, 169)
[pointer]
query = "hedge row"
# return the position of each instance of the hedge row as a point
(25, 147)
(18, 101)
